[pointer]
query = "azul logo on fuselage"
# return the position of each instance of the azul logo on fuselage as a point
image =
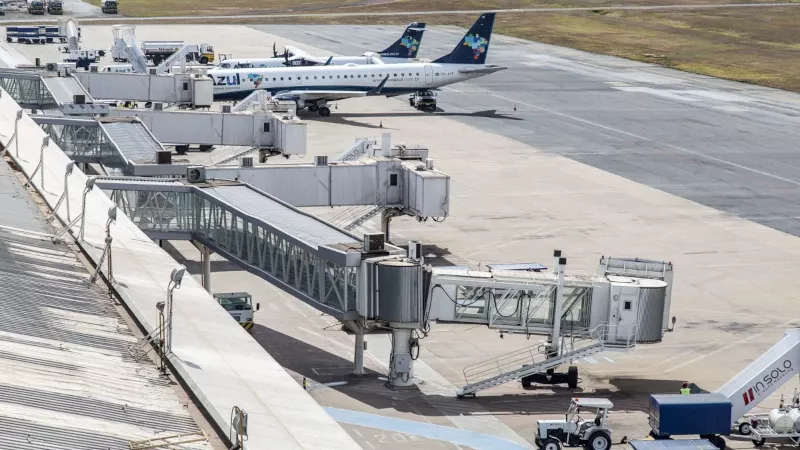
(226, 80)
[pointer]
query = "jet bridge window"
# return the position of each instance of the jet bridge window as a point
(627, 306)
(393, 179)
(185, 86)
(266, 127)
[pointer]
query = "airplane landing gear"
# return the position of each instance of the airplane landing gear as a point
(324, 111)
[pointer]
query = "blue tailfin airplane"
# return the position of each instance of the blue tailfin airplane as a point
(401, 51)
(313, 87)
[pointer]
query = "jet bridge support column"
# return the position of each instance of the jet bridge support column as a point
(558, 306)
(205, 258)
(357, 328)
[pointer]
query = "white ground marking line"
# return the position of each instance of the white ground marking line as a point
(636, 136)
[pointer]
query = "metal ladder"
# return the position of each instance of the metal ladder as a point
(518, 364)
(532, 360)
(167, 442)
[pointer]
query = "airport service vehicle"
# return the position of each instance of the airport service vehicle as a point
(55, 7)
(3, 8)
(423, 100)
(36, 7)
(239, 305)
(109, 6)
(32, 34)
(313, 87)
(706, 415)
(158, 51)
(401, 51)
(83, 58)
(574, 431)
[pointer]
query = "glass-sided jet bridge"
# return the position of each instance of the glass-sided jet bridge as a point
(307, 257)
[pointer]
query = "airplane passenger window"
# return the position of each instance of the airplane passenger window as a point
(290, 78)
(402, 74)
(417, 73)
(337, 77)
(306, 78)
(274, 79)
(359, 76)
(395, 74)
(281, 78)
(315, 77)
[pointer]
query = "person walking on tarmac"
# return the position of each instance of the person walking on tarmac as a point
(685, 390)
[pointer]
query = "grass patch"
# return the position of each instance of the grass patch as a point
(754, 45)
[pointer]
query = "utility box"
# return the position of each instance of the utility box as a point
(679, 415)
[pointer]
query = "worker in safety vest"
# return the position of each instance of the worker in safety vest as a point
(685, 390)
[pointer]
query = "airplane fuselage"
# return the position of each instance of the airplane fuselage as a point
(280, 62)
(403, 78)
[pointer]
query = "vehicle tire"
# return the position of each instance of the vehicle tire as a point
(572, 377)
(9, 40)
(203, 60)
(526, 382)
(324, 111)
(599, 440)
(410, 102)
(550, 444)
(718, 441)
(181, 149)
(148, 105)
(759, 442)
(745, 428)
(205, 148)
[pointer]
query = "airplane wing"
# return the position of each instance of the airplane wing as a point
(328, 95)
(314, 96)
(294, 51)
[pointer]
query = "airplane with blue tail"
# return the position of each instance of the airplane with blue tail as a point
(401, 51)
(314, 87)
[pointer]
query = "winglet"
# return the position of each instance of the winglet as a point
(328, 62)
(378, 88)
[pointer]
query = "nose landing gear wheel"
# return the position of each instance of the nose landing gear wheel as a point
(324, 111)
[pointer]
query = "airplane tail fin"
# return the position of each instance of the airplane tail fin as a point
(408, 44)
(474, 46)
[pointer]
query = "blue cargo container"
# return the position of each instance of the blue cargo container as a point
(701, 414)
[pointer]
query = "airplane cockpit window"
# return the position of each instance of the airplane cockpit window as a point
(225, 65)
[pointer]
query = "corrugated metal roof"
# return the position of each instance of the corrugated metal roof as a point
(67, 379)
(64, 88)
(133, 140)
(307, 228)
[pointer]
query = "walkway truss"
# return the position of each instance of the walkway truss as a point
(322, 276)
(27, 89)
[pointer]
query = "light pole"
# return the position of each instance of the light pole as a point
(175, 279)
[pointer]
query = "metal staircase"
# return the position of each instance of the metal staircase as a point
(534, 359)
(364, 218)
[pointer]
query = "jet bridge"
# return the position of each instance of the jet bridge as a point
(180, 88)
(328, 268)
(117, 143)
(581, 314)
(286, 134)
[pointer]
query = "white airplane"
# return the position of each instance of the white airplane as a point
(313, 87)
(401, 51)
